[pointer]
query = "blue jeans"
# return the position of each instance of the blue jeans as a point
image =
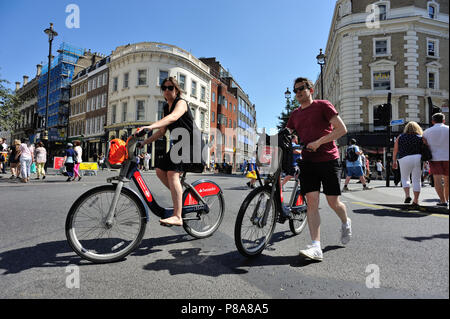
(25, 166)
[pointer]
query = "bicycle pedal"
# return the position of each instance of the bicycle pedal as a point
(165, 225)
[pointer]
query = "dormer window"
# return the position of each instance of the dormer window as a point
(433, 9)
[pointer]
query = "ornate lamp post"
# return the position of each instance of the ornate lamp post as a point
(321, 61)
(51, 35)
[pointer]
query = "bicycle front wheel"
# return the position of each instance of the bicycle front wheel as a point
(88, 234)
(251, 232)
(299, 219)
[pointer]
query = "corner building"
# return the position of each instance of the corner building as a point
(377, 47)
(135, 98)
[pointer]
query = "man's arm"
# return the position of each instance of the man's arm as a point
(339, 129)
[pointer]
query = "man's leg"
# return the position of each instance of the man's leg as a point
(313, 215)
(339, 208)
(438, 187)
(446, 188)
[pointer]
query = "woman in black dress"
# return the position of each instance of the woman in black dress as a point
(178, 159)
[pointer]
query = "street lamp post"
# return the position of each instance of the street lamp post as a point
(321, 61)
(51, 35)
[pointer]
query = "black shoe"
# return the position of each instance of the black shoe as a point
(408, 200)
(69, 179)
(79, 178)
(43, 177)
(442, 204)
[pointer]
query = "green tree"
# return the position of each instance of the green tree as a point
(9, 107)
(291, 105)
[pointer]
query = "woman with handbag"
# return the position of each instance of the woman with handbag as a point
(408, 152)
(41, 159)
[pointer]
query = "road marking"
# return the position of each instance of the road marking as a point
(399, 210)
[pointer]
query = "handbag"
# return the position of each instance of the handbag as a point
(251, 175)
(33, 168)
(63, 170)
(426, 152)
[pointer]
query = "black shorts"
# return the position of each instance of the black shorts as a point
(166, 164)
(313, 175)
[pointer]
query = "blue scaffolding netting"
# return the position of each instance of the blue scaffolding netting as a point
(61, 73)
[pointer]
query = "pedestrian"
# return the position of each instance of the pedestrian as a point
(101, 161)
(26, 158)
(69, 161)
(3, 155)
(14, 159)
(407, 149)
(78, 159)
(380, 169)
(251, 173)
(41, 159)
(318, 125)
(354, 165)
(296, 155)
(147, 158)
(437, 139)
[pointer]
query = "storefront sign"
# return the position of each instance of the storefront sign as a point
(86, 166)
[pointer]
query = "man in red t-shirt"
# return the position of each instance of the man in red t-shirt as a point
(318, 125)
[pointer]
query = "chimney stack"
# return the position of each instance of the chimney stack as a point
(38, 69)
(17, 86)
(25, 80)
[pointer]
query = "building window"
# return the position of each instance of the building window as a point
(194, 88)
(202, 120)
(105, 78)
(113, 114)
(382, 80)
(432, 48)
(213, 116)
(115, 84)
(182, 82)
(140, 111)
(142, 77)
(382, 8)
(214, 97)
(104, 100)
(125, 80)
(381, 47)
(433, 9)
(99, 81)
(162, 76)
(124, 111)
(160, 113)
(203, 93)
(99, 101)
(431, 80)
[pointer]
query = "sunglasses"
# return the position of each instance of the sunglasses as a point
(170, 87)
(300, 88)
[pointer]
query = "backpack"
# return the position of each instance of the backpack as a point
(351, 154)
(117, 153)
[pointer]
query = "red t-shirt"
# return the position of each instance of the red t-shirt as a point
(311, 124)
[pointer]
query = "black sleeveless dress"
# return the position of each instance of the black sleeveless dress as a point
(175, 159)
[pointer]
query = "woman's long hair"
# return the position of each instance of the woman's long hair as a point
(413, 128)
(174, 83)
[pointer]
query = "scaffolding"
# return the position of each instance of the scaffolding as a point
(61, 73)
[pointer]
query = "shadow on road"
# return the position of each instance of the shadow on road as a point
(387, 212)
(439, 236)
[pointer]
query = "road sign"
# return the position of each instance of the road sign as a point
(397, 122)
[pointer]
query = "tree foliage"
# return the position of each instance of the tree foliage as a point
(9, 107)
(291, 105)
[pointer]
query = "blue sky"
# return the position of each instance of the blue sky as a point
(265, 44)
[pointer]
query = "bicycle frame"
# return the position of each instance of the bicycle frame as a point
(129, 172)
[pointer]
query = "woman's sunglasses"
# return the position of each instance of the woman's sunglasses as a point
(170, 87)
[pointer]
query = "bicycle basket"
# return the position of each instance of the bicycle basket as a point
(117, 153)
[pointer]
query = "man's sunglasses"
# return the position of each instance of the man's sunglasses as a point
(170, 87)
(300, 88)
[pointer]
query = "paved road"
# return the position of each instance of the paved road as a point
(409, 250)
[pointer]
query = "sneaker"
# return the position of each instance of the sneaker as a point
(312, 252)
(346, 232)
(365, 188)
(345, 189)
(442, 204)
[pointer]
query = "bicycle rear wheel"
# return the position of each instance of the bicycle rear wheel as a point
(201, 224)
(88, 234)
(251, 236)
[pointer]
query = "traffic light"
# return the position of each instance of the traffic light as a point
(432, 109)
(382, 114)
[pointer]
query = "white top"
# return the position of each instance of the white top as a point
(79, 151)
(379, 166)
(437, 138)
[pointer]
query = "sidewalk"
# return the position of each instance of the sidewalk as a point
(394, 196)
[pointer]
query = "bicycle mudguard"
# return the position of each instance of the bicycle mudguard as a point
(204, 188)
